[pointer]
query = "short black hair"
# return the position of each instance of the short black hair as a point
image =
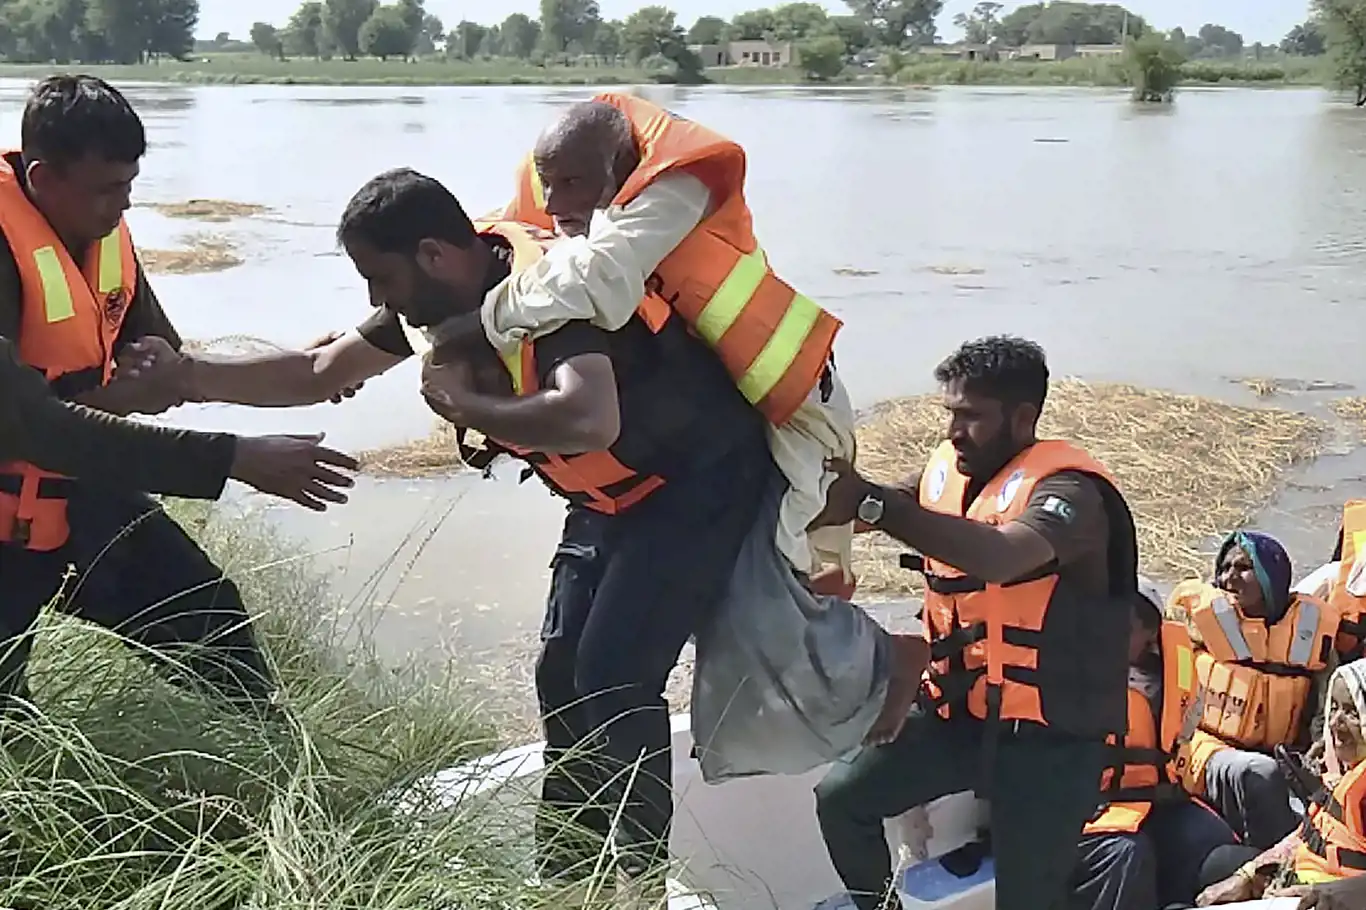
(69, 117)
(1009, 369)
(397, 209)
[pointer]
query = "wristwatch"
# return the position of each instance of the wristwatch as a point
(870, 510)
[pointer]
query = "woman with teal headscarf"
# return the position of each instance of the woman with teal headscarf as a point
(1247, 788)
(1254, 570)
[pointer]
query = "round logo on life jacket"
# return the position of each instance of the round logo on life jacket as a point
(1008, 491)
(939, 478)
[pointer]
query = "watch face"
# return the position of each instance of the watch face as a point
(870, 510)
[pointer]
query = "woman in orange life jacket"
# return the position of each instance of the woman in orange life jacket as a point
(1236, 774)
(1330, 846)
(1155, 850)
(663, 464)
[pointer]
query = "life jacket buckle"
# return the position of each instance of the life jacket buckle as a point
(21, 531)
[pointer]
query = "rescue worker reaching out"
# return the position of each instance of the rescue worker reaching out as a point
(1148, 844)
(102, 450)
(1261, 649)
(73, 298)
(1031, 567)
(655, 201)
(662, 461)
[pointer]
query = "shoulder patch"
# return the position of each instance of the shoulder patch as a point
(1056, 505)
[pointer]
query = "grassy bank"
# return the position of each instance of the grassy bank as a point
(257, 69)
(123, 791)
(1106, 72)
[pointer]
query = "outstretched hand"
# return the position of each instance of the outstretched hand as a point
(296, 468)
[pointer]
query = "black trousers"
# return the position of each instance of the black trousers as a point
(626, 593)
(1158, 866)
(1044, 786)
(138, 573)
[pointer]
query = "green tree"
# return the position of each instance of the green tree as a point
(568, 24)
(124, 27)
(1153, 65)
(520, 35)
(1304, 40)
(342, 21)
(304, 34)
(854, 32)
(171, 27)
(1013, 29)
(899, 23)
(386, 33)
(821, 58)
(980, 25)
(1217, 41)
(1066, 22)
(413, 13)
(795, 21)
(266, 37)
(465, 40)
(492, 45)
(607, 41)
(707, 30)
(430, 34)
(650, 31)
(1344, 31)
(755, 25)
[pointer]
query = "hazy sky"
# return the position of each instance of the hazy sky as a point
(1257, 20)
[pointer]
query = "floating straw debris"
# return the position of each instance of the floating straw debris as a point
(202, 253)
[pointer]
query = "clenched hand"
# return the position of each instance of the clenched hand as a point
(322, 342)
(296, 468)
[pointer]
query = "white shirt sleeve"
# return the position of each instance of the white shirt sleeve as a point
(600, 276)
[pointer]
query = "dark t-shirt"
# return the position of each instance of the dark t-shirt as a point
(1068, 510)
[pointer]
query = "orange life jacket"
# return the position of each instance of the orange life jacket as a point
(71, 318)
(1351, 576)
(1142, 767)
(775, 342)
(1030, 649)
(1257, 678)
(1332, 840)
(595, 480)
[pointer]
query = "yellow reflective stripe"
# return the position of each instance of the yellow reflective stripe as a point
(781, 349)
(1314, 877)
(537, 190)
(1184, 666)
(111, 262)
(730, 298)
(57, 302)
(1358, 546)
(513, 363)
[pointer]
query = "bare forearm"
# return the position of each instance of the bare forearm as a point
(541, 422)
(117, 398)
(276, 380)
(971, 547)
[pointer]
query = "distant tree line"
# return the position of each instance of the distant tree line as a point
(96, 31)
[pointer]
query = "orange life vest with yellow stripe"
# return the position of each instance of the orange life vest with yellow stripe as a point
(1031, 649)
(1142, 767)
(596, 480)
(1257, 678)
(1332, 840)
(71, 319)
(776, 343)
(1351, 577)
